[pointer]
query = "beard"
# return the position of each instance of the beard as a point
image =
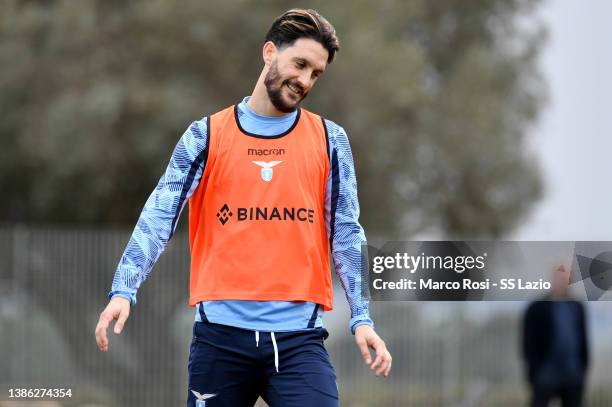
(275, 86)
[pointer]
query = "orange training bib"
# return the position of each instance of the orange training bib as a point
(257, 219)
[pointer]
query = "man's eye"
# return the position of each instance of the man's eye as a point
(300, 65)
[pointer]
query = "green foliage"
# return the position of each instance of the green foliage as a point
(436, 98)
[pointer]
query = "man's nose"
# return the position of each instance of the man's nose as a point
(304, 81)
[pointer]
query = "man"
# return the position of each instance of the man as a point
(271, 189)
(555, 346)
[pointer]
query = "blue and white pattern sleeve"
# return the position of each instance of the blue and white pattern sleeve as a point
(346, 236)
(159, 217)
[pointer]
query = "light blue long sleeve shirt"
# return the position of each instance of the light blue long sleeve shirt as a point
(159, 216)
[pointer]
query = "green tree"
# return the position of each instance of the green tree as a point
(436, 98)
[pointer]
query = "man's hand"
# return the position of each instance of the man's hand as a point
(119, 309)
(366, 338)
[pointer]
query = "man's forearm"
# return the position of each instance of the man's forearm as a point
(346, 234)
(160, 214)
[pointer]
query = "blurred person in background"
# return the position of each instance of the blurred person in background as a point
(271, 189)
(555, 345)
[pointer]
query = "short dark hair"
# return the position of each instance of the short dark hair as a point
(304, 23)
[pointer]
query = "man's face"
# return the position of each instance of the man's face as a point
(293, 71)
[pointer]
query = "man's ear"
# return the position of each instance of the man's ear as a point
(269, 52)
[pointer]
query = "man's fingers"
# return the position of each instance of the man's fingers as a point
(101, 338)
(388, 366)
(119, 309)
(366, 338)
(382, 364)
(385, 367)
(121, 321)
(381, 351)
(365, 352)
(386, 360)
(378, 361)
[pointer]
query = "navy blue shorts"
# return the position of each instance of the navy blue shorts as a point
(288, 369)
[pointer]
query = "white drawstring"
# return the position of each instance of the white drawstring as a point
(275, 351)
(273, 344)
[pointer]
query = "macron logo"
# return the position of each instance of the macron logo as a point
(266, 151)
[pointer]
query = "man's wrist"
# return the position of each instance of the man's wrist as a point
(360, 322)
(121, 294)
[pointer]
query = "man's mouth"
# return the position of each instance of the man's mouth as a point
(294, 89)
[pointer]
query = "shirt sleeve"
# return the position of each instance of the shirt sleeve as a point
(159, 217)
(346, 236)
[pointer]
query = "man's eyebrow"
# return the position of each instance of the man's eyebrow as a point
(306, 62)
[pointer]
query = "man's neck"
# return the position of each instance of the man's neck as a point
(259, 101)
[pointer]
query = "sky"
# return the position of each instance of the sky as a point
(573, 138)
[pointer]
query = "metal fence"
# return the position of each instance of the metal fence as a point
(53, 285)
